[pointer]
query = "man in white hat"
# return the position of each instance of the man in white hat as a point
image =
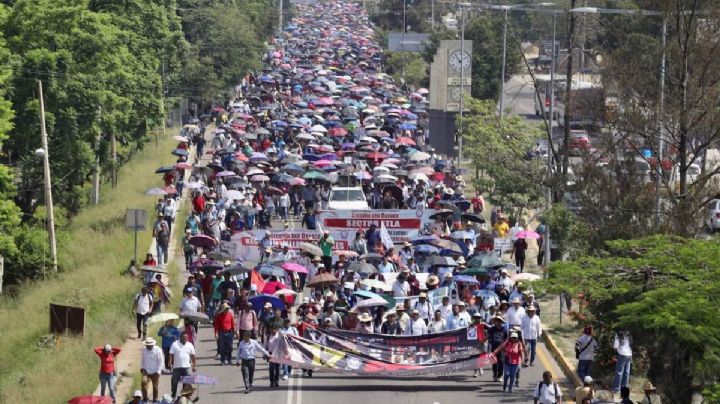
(424, 306)
(505, 280)
(151, 365)
(265, 242)
(416, 325)
(405, 253)
(515, 313)
(137, 398)
(585, 391)
(531, 331)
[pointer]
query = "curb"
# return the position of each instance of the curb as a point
(562, 362)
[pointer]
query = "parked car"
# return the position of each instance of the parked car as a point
(579, 140)
(712, 216)
(347, 198)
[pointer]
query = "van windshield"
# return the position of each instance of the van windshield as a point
(347, 195)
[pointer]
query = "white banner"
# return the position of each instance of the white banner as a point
(401, 224)
(245, 245)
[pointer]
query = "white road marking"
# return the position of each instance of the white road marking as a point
(291, 382)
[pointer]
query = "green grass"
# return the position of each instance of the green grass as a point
(93, 257)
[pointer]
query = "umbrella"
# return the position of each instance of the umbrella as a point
(183, 165)
(202, 240)
(441, 214)
(475, 271)
(447, 245)
(405, 141)
(238, 269)
(270, 270)
(196, 316)
(198, 379)
(272, 287)
(362, 268)
(366, 294)
(164, 169)
(181, 139)
(419, 156)
(492, 261)
(259, 301)
(462, 235)
(374, 283)
(220, 256)
(437, 260)
(225, 174)
(180, 152)
(91, 400)
(170, 189)
(285, 291)
(310, 249)
(294, 267)
(162, 317)
(485, 294)
(195, 185)
(259, 178)
(155, 191)
(528, 234)
(156, 269)
(469, 217)
(427, 249)
(465, 279)
(525, 276)
(372, 302)
(322, 280)
(346, 253)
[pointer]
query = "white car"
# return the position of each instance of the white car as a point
(712, 215)
(347, 198)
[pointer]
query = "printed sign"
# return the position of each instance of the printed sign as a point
(246, 245)
(401, 224)
(503, 244)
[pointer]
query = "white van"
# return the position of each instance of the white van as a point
(347, 198)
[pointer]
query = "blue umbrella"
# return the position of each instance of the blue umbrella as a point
(311, 157)
(465, 279)
(259, 301)
(423, 239)
(270, 270)
(180, 152)
(366, 294)
(408, 126)
(427, 249)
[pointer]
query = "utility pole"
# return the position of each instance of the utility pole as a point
(113, 151)
(402, 46)
(661, 139)
(548, 191)
(48, 184)
(462, 84)
(96, 171)
(432, 14)
(504, 59)
(280, 16)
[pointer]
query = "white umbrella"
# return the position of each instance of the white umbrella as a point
(389, 165)
(387, 177)
(372, 302)
(375, 283)
(381, 168)
(233, 195)
(195, 185)
(318, 128)
(419, 177)
(305, 136)
(419, 156)
(372, 140)
(254, 171)
(525, 276)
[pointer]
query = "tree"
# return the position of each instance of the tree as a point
(501, 151)
(661, 289)
(416, 73)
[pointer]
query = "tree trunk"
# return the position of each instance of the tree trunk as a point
(568, 90)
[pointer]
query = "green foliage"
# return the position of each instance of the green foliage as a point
(416, 70)
(569, 234)
(661, 290)
(499, 149)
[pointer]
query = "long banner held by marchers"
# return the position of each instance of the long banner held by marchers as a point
(246, 245)
(428, 348)
(401, 224)
(305, 354)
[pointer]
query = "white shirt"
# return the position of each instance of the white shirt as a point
(247, 350)
(507, 282)
(181, 354)
(153, 361)
(425, 309)
(143, 303)
(514, 316)
(531, 327)
(401, 289)
(445, 311)
(622, 347)
(416, 327)
(436, 326)
(546, 394)
(465, 318)
(385, 268)
(190, 304)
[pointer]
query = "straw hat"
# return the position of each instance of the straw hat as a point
(150, 342)
(432, 280)
(187, 390)
(364, 318)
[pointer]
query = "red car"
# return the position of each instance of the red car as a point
(579, 140)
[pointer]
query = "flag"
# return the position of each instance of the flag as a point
(385, 236)
(256, 279)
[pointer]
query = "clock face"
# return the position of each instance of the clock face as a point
(460, 60)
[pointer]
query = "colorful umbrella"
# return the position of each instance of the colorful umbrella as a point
(294, 267)
(196, 316)
(162, 318)
(322, 280)
(528, 234)
(259, 301)
(310, 249)
(202, 240)
(91, 400)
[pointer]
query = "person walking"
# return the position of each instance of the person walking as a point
(142, 306)
(224, 326)
(531, 331)
(514, 352)
(182, 358)
(520, 246)
(168, 334)
(247, 349)
(585, 348)
(326, 245)
(162, 241)
(547, 391)
(651, 395)
(151, 365)
(622, 345)
(271, 345)
(287, 329)
(108, 374)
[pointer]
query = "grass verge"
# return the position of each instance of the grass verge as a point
(33, 367)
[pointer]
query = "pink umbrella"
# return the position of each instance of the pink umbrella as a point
(297, 181)
(170, 190)
(323, 163)
(225, 174)
(294, 267)
(528, 234)
(405, 140)
(183, 165)
(272, 287)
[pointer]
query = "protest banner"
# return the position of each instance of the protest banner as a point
(401, 224)
(245, 245)
(308, 354)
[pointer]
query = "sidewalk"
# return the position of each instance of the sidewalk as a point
(127, 364)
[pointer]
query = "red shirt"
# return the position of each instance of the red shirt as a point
(224, 321)
(199, 203)
(513, 352)
(107, 359)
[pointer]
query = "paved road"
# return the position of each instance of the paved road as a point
(331, 387)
